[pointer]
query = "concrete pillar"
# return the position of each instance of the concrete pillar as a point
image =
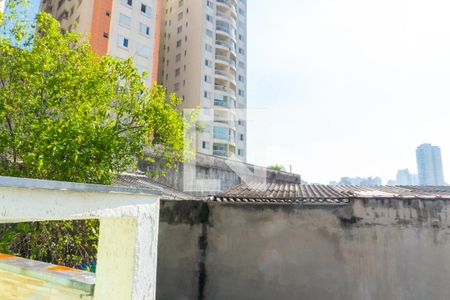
(127, 256)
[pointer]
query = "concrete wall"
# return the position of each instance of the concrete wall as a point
(209, 167)
(369, 249)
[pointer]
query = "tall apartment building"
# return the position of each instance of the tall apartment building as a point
(120, 28)
(203, 59)
(429, 165)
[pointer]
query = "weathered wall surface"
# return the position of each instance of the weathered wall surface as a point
(370, 249)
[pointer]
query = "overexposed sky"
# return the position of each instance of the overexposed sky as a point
(348, 87)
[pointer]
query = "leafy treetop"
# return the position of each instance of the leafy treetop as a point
(69, 114)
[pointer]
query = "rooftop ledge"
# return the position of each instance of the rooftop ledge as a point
(27, 183)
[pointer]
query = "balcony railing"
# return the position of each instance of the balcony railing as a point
(227, 17)
(230, 103)
(226, 2)
(231, 33)
(220, 153)
(226, 59)
(221, 88)
(227, 45)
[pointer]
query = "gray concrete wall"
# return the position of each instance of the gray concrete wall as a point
(370, 249)
(215, 168)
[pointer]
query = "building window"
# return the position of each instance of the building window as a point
(208, 48)
(241, 51)
(241, 78)
(208, 79)
(207, 94)
(209, 18)
(209, 33)
(127, 2)
(178, 43)
(241, 92)
(241, 137)
(209, 3)
(241, 152)
(220, 149)
(143, 51)
(146, 10)
(178, 57)
(180, 3)
(177, 87)
(177, 72)
(205, 145)
(208, 63)
(221, 133)
(125, 20)
(179, 29)
(144, 29)
(123, 42)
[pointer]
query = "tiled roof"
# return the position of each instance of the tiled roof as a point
(325, 194)
(141, 180)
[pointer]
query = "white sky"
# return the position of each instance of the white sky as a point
(348, 87)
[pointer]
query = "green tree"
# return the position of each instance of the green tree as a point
(276, 167)
(69, 114)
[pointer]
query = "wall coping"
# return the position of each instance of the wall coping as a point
(28, 183)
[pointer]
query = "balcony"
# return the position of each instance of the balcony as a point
(225, 27)
(227, 16)
(225, 60)
(225, 6)
(226, 3)
(222, 88)
(223, 153)
(227, 45)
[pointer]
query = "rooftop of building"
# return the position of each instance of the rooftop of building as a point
(325, 194)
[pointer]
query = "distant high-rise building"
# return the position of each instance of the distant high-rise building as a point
(120, 28)
(203, 59)
(404, 177)
(429, 165)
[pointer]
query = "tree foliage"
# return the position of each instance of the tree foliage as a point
(69, 114)
(276, 167)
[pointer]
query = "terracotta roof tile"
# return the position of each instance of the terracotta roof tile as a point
(325, 194)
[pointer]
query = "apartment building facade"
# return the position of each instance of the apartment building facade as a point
(203, 59)
(120, 28)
